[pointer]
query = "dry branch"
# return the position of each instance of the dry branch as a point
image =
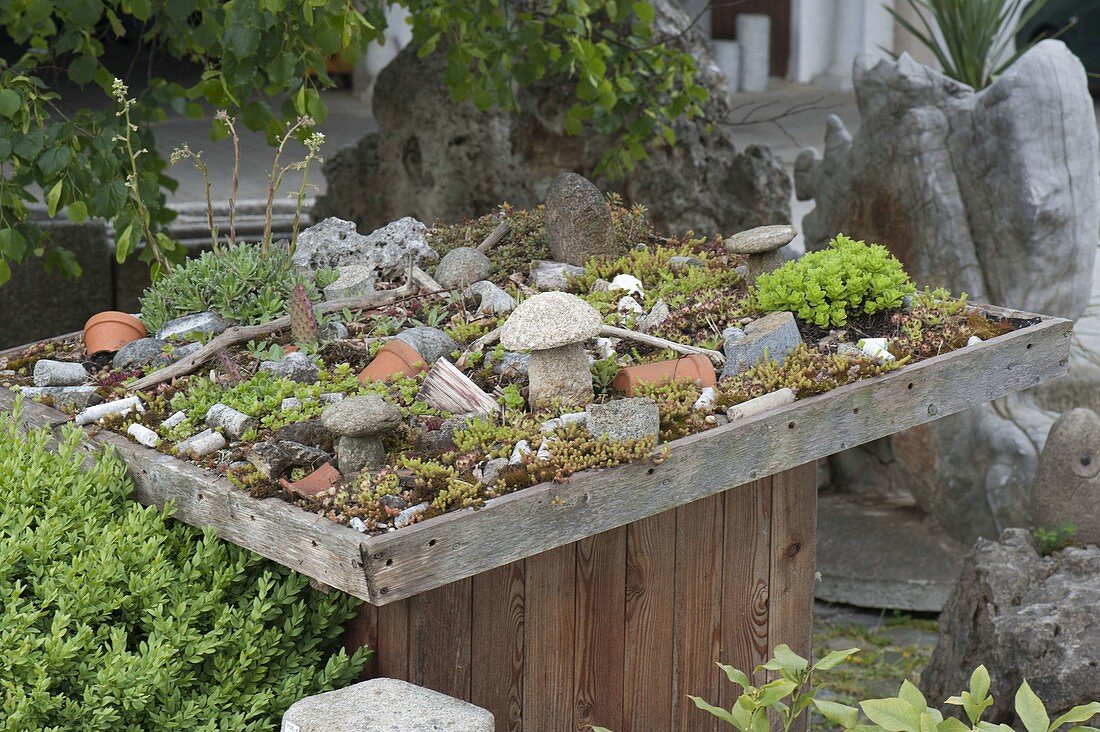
(610, 331)
(244, 333)
(494, 237)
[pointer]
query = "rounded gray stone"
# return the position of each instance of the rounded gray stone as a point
(761, 239)
(772, 336)
(355, 280)
(578, 221)
(462, 267)
(491, 299)
(59, 373)
(136, 354)
(550, 320)
(356, 454)
(294, 366)
(1067, 480)
(431, 343)
(361, 416)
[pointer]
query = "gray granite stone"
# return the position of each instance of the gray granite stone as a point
(578, 221)
(634, 418)
(361, 416)
(294, 366)
(59, 373)
(431, 343)
(462, 267)
(772, 336)
(190, 327)
(355, 280)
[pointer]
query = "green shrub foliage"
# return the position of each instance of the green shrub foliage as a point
(239, 282)
(116, 618)
(829, 286)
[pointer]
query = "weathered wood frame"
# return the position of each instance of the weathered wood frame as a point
(397, 565)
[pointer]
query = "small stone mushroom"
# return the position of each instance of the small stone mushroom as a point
(554, 326)
(359, 422)
(762, 246)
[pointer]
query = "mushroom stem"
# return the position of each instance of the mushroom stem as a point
(560, 373)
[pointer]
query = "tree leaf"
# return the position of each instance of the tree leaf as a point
(5, 271)
(912, 695)
(893, 715)
(1031, 710)
(834, 659)
(842, 714)
(9, 102)
(979, 683)
(53, 198)
(719, 712)
(1080, 713)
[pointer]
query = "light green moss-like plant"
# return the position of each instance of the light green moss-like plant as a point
(829, 286)
(116, 618)
(240, 282)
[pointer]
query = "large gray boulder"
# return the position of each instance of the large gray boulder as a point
(441, 161)
(1025, 617)
(1067, 482)
(994, 193)
(337, 243)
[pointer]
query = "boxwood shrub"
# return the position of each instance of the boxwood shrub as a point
(114, 617)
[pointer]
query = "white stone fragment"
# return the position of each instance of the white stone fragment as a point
(760, 404)
(543, 453)
(605, 347)
(174, 420)
(143, 435)
(706, 399)
(201, 444)
(627, 304)
(523, 447)
(231, 421)
(630, 283)
(331, 397)
(357, 524)
(406, 516)
(876, 349)
(121, 407)
(289, 403)
(564, 420)
(973, 340)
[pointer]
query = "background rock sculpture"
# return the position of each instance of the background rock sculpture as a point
(440, 161)
(994, 193)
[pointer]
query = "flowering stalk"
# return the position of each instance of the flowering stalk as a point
(275, 177)
(228, 121)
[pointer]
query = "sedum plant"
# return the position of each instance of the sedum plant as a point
(239, 282)
(827, 287)
(794, 690)
(116, 618)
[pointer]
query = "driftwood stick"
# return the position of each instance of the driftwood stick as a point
(244, 333)
(479, 345)
(610, 331)
(494, 236)
(426, 282)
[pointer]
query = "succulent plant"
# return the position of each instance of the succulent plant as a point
(303, 320)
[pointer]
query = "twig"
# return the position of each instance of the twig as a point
(495, 236)
(425, 281)
(244, 333)
(610, 331)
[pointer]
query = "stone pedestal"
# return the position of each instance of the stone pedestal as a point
(727, 54)
(754, 41)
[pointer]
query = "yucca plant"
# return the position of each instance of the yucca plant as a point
(973, 35)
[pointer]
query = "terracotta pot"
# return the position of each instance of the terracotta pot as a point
(110, 331)
(393, 359)
(319, 480)
(697, 368)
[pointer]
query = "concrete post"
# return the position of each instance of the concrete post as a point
(385, 705)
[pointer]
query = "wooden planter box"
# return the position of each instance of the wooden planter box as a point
(605, 599)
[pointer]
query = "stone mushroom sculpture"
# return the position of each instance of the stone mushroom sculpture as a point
(762, 246)
(553, 326)
(359, 422)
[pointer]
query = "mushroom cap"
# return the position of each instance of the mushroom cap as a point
(550, 320)
(761, 240)
(361, 416)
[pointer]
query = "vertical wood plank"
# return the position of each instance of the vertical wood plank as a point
(600, 630)
(362, 631)
(439, 639)
(549, 628)
(698, 607)
(746, 568)
(650, 620)
(497, 629)
(393, 640)
(793, 551)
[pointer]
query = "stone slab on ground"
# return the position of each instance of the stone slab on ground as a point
(385, 705)
(879, 552)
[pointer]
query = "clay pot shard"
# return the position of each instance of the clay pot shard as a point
(110, 331)
(395, 358)
(697, 368)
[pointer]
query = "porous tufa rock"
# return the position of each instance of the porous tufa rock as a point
(334, 242)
